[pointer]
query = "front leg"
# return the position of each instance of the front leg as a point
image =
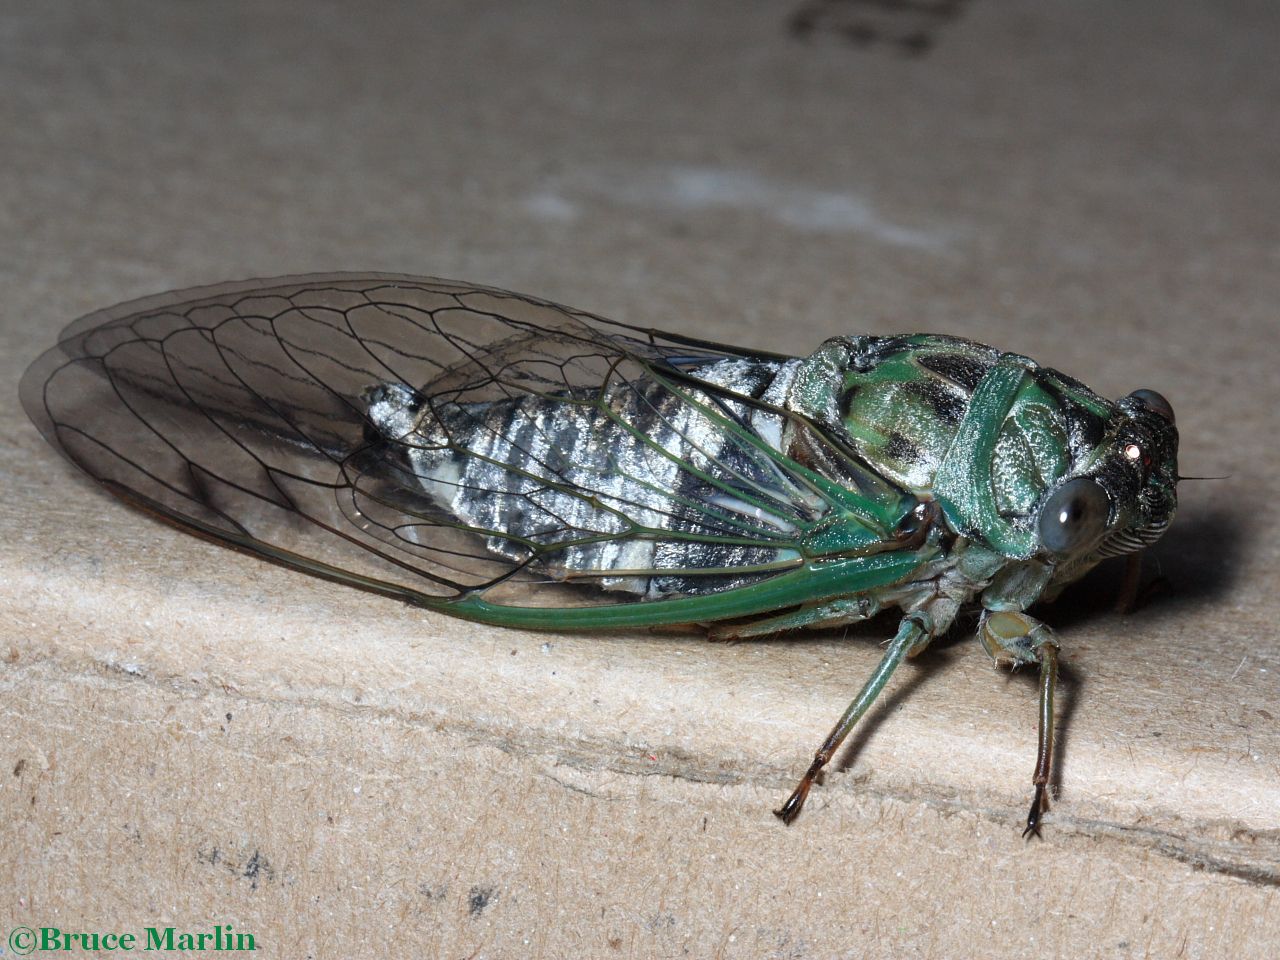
(1014, 640)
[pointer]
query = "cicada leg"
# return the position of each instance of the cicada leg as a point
(1130, 584)
(829, 614)
(1013, 640)
(1133, 593)
(912, 636)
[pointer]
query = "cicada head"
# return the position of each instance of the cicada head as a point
(1124, 495)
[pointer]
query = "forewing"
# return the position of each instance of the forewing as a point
(243, 412)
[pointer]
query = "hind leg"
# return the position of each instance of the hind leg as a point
(830, 613)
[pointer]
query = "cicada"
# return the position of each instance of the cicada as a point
(504, 459)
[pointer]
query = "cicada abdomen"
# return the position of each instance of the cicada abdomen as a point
(676, 507)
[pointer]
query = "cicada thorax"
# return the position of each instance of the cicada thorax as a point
(983, 433)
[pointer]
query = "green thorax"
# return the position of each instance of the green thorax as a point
(982, 432)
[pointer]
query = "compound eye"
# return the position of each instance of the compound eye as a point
(1154, 401)
(1074, 516)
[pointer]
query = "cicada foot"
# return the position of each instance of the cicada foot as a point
(791, 809)
(1039, 804)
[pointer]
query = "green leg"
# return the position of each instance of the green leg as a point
(911, 637)
(831, 613)
(1014, 640)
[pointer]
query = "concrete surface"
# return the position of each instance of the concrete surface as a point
(192, 738)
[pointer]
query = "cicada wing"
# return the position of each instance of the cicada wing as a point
(436, 441)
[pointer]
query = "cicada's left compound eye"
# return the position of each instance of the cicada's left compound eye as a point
(1074, 516)
(1154, 401)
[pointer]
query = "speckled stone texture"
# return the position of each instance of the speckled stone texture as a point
(191, 737)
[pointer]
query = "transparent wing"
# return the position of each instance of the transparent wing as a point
(437, 441)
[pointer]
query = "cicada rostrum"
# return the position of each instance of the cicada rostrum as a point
(504, 459)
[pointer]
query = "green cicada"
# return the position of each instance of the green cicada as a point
(508, 460)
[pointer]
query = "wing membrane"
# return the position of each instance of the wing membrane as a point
(442, 442)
